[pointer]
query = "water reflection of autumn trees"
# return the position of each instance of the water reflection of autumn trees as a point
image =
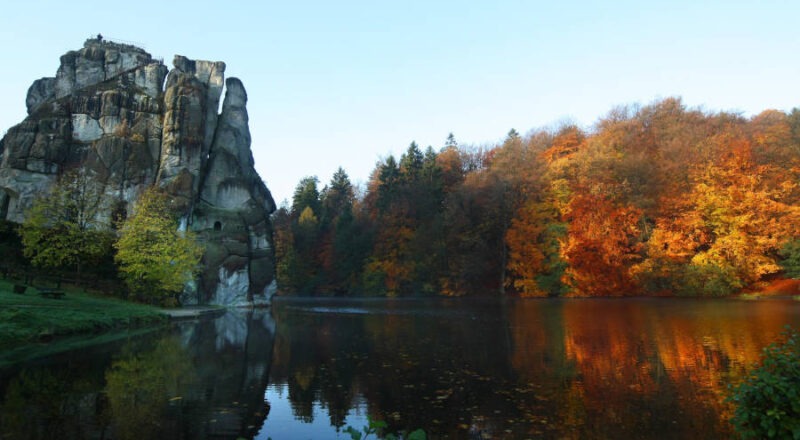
(138, 385)
(556, 368)
(660, 365)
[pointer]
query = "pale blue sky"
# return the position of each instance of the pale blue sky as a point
(349, 82)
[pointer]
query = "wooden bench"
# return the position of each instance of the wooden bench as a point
(20, 288)
(49, 292)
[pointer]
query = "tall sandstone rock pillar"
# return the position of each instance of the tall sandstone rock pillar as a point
(109, 112)
(233, 210)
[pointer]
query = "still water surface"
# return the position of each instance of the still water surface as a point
(628, 368)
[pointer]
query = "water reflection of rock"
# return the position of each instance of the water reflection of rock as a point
(207, 379)
(231, 357)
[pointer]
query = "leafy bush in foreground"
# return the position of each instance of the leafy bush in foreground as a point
(768, 401)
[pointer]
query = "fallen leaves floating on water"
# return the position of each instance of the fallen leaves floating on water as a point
(443, 394)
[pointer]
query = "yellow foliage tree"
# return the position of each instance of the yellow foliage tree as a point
(747, 218)
(731, 225)
(155, 259)
(533, 245)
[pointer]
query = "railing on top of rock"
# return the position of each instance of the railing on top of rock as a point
(101, 39)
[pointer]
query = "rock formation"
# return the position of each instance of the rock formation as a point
(110, 112)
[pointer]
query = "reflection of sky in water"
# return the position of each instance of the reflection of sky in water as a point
(404, 311)
(342, 310)
(282, 424)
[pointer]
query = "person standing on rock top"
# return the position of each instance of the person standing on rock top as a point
(99, 37)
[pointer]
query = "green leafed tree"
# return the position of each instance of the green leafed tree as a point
(411, 162)
(338, 247)
(337, 197)
(306, 195)
(451, 141)
(156, 259)
(297, 235)
(65, 228)
(790, 252)
(285, 253)
(768, 400)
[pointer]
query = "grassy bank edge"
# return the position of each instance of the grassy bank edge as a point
(30, 318)
(30, 351)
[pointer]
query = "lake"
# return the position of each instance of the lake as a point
(471, 369)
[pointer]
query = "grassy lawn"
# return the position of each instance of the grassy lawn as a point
(31, 318)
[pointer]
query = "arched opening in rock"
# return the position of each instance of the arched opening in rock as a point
(5, 201)
(119, 212)
(217, 226)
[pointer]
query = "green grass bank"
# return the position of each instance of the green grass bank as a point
(32, 318)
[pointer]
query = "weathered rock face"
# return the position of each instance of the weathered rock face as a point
(109, 111)
(190, 119)
(102, 111)
(235, 203)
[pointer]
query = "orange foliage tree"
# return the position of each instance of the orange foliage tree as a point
(602, 245)
(654, 199)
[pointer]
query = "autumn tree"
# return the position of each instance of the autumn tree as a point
(390, 268)
(407, 203)
(155, 258)
(655, 198)
(451, 167)
(794, 124)
(535, 264)
(601, 247)
(747, 219)
(66, 227)
(727, 231)
(512, 175)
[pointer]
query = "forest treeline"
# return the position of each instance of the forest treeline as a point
(656, 199)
